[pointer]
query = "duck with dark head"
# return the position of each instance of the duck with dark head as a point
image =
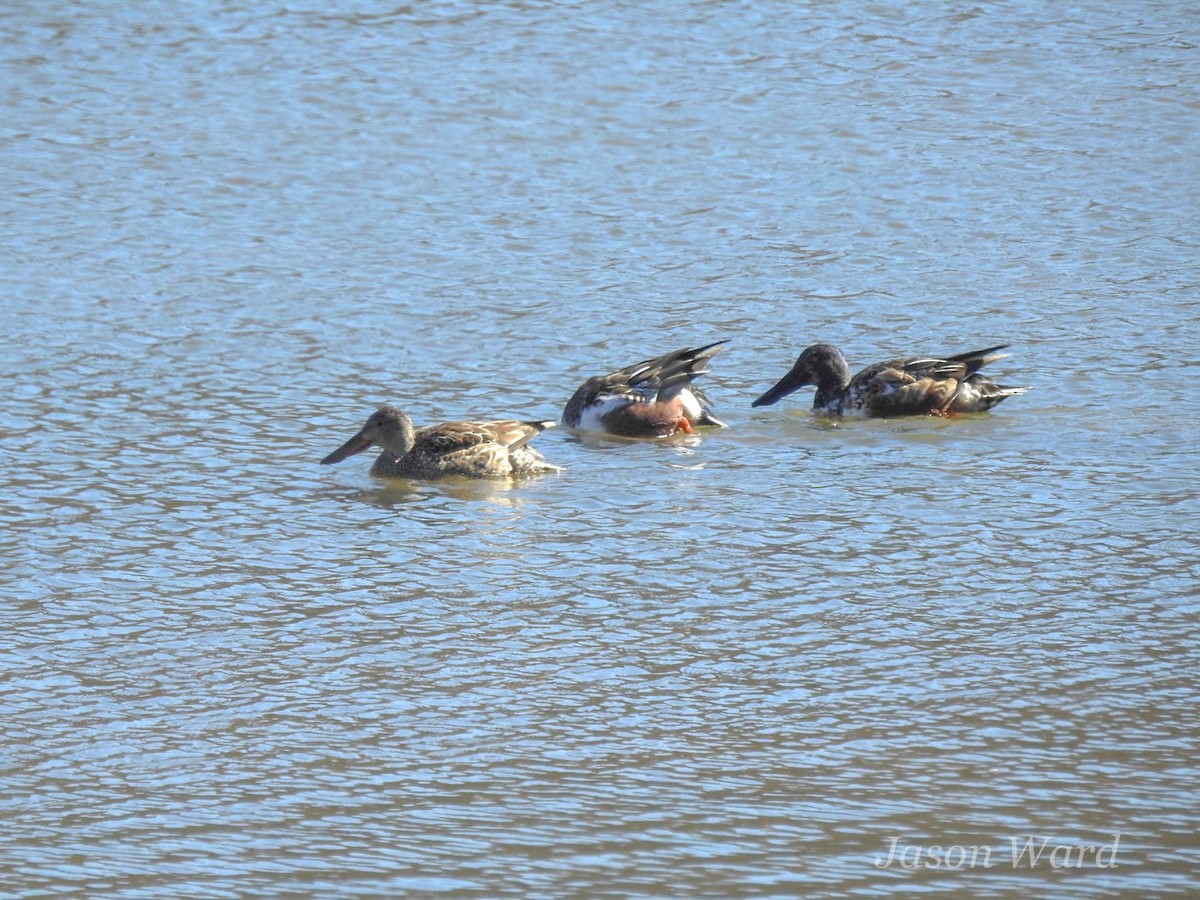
(908, 386)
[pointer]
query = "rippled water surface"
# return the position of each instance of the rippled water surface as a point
(759, 661)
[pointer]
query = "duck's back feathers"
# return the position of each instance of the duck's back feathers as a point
(451, 437)
(652, 398)
(928, 385)
(476, 449)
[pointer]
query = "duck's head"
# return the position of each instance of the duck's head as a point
(388, 427)
(821, 364)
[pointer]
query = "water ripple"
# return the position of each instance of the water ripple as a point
(738, 663)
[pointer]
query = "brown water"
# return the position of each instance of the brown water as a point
(759, 662)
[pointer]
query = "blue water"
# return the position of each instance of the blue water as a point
(737, 664)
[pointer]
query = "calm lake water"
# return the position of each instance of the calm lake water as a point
(782, 659)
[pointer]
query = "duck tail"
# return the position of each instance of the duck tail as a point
(978, 394)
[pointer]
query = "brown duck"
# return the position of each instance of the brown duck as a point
(472, 449)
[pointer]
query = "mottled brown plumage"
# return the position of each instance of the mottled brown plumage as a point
(472, 449)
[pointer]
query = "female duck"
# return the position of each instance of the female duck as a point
(473, 449)
(897, 387)
(651, 399)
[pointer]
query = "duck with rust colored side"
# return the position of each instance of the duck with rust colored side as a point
(910, 386)
(651, 399)
(472, 449)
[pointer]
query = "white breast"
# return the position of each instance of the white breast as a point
(592, 417)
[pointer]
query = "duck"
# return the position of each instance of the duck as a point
(654, 398)
(472, 449)
(910, 386)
